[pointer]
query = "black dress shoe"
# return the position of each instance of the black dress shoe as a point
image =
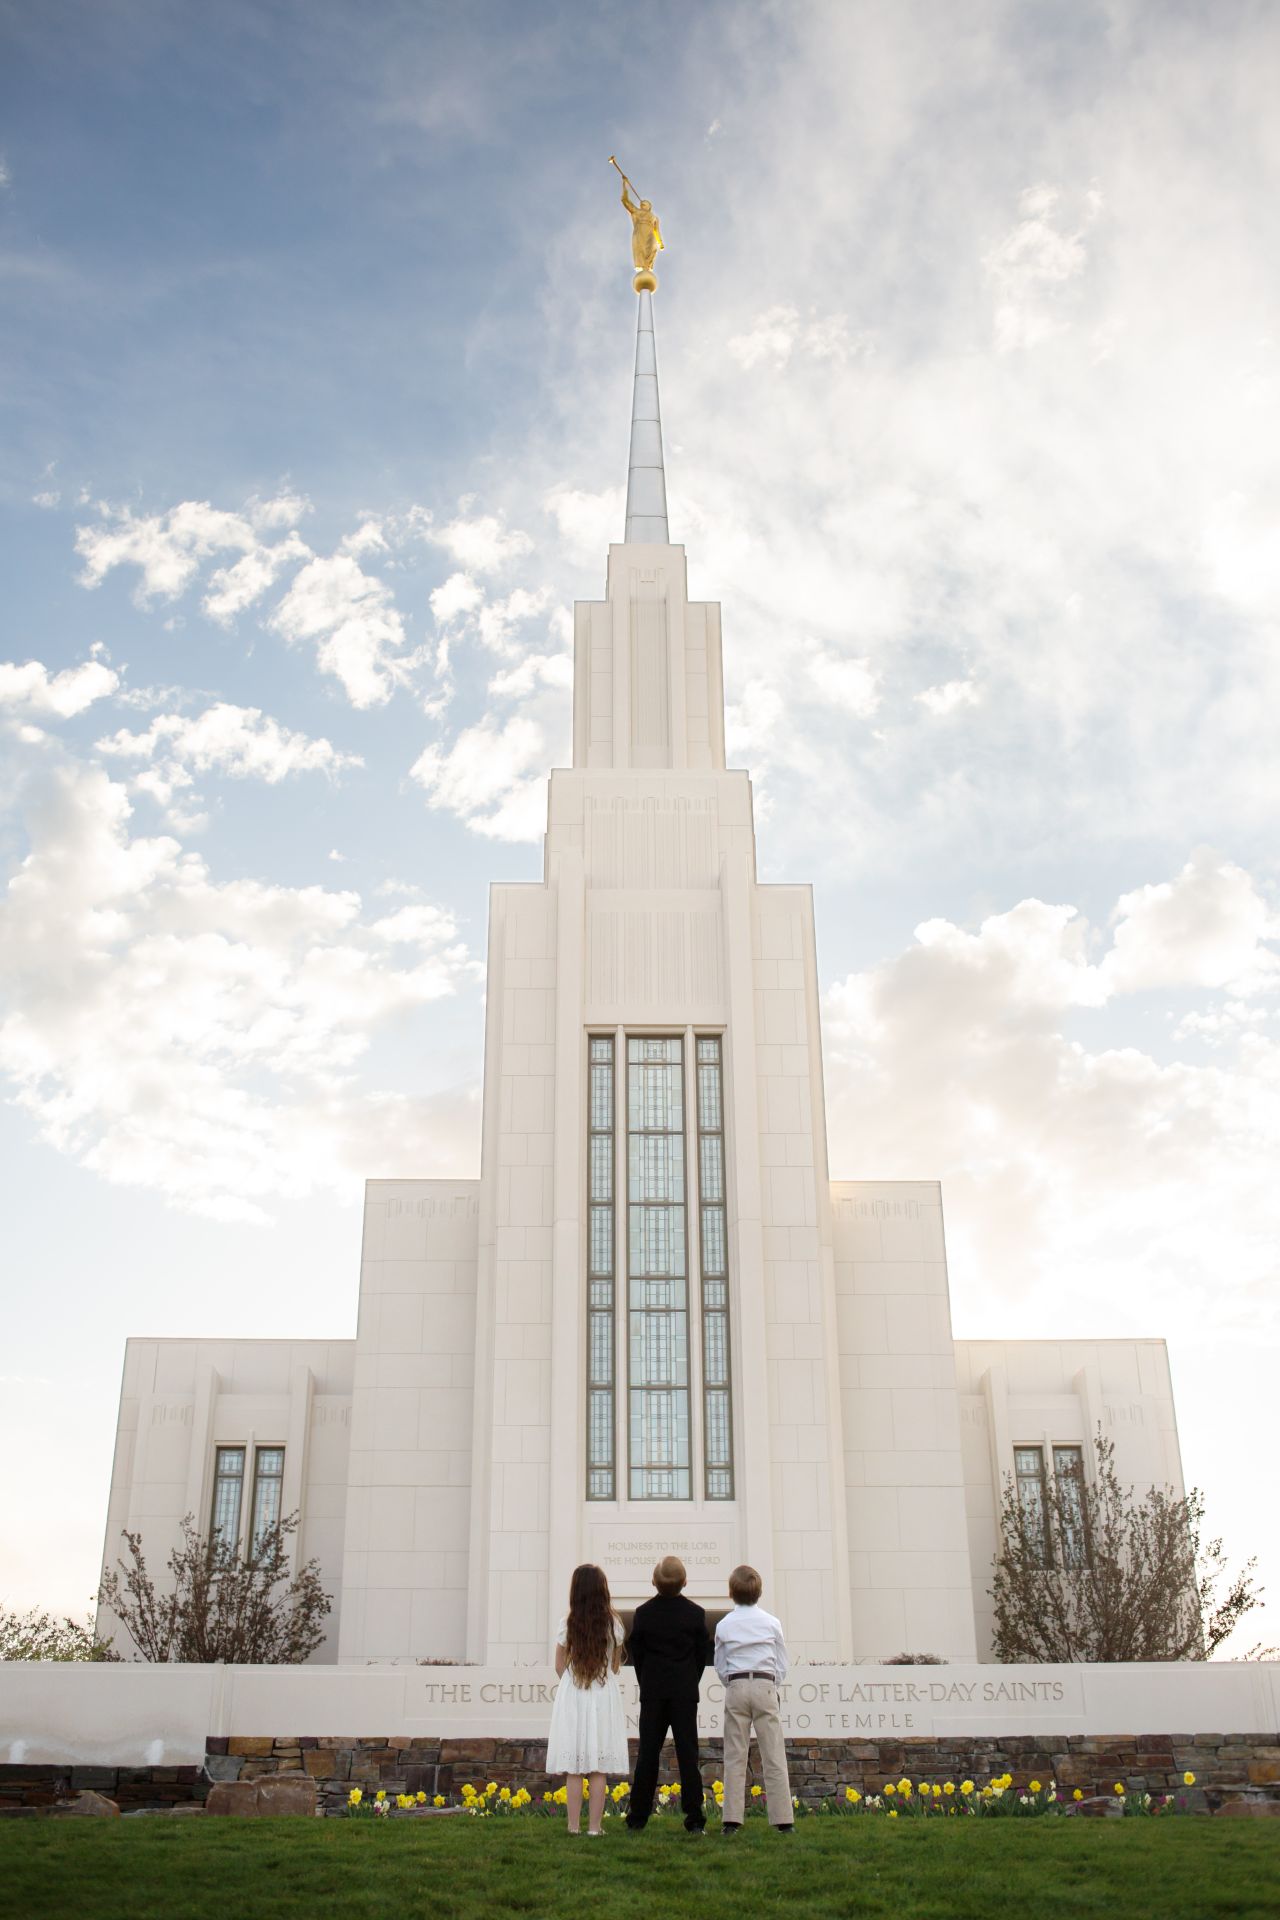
(731, 1827)
(788, 1828)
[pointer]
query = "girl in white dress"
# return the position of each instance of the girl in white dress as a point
(588, 1736)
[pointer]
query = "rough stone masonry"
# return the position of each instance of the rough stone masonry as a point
(1233, 1771)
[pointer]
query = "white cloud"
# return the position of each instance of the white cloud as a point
(1093, 1184)
(281, 510)
(368, 537)
(587, 522)
(166, 548)
(169, 549)
(852, 686)
(31, 689)
(783, 331)
(1240, 547)
(496, 622)
(536, 670)
(196, 1037)
(480, 543)
(232, 589)
(461, 609)
(351, 618)
(456, 597)
(1028, 267)
(241, 742)
(49, 498)
(1209, 927)
(949, 697)
(485, 779)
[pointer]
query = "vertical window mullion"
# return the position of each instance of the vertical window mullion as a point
(713, 1247)
(602, 1267)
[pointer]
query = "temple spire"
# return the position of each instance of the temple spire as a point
(646, 480)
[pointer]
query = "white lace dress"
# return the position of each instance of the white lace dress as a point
(588, 1724)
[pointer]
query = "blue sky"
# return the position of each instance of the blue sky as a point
(315, 347)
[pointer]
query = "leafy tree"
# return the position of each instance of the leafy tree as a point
(1101, 1574)
(46, 1636)
(221, 1604)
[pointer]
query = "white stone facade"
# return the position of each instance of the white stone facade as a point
(867, 1446)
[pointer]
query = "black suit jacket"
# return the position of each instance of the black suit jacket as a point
(669, 1647)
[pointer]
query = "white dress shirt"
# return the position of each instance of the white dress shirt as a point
(749, 1640)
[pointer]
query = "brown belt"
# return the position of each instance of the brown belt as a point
(772, 1678)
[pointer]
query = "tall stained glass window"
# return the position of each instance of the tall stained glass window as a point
(657, 1272)
(1068, 1474)
(716, 1404)
(268, 1482)
(1028, 1467)
(228, 1490)
(600, 1269)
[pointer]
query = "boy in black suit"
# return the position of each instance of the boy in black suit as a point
(669, 1647)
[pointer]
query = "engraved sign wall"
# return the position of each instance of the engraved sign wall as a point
(629, 1554)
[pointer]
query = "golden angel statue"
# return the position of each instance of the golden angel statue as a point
(646, 235)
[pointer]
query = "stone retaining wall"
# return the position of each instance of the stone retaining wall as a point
(1228, 1767)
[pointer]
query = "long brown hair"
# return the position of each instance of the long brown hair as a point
(589, 1634)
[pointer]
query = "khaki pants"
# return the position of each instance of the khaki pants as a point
(747, 1702)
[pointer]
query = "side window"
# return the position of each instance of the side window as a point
(1028, 1467)
(1068, 1473)
(268, 1479)
(228, 1491)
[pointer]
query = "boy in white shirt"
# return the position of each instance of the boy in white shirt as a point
(751, 1660)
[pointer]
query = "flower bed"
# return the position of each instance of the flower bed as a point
(905, 1798)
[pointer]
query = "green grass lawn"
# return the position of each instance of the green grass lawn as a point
(227, 1869)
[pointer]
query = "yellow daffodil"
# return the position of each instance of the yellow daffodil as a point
(1188, 1779)
(1077, 1794)
(936, 1791)
(505, 1795)
(380, 1795)
(1119, 1788)
(756, 1791)
(438, 1801)
(948, 1786)
(1035, 1786)
(354, 1797)
(966, 1787)
(893, 1813)
(889, 1787)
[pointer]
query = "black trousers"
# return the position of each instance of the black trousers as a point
(681, 1717)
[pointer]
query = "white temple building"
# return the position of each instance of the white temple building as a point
(653, 1323)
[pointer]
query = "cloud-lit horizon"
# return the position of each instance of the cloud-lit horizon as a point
(320, 357)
